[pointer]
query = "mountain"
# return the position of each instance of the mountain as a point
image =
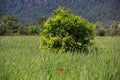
(27, 11)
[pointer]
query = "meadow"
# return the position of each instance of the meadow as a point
(21, 59)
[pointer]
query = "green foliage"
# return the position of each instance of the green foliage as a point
(40, 21)
(118, 29)
(8, 19)
(115, 24)
(102, 32)
(32, 29)
(66, 31)
(37, 26)
(113, 29)
(3, 29)
(22, 29)
(0, 43)
(10, 26)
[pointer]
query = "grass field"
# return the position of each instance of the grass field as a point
(21, 59)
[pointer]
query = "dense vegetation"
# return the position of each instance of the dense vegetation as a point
(9, 25)
(27, 11)
(67, 32)
(21, 59)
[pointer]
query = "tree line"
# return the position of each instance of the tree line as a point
(9, 25)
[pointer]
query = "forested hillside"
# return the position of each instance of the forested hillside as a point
(27, 11)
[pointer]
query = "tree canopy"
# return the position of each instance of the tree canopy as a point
(67, 32)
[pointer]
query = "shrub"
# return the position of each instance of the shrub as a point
(118, 29)
(32, 29)
(102, 32)
(67, 32)
(3, 29)
(113, 29)
(10, 23)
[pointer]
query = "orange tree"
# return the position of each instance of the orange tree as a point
(67, 32)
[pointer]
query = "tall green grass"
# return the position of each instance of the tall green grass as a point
(21, 59)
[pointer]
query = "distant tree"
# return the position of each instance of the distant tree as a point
(37, 26)
(100, 30)
(3, 29)
(41, 20)
(22, 29)
(12, 26)
(67, 32)
(118, 29)
(113, 29)
(39, 23)
(32, 30)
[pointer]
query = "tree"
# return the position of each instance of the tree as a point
(22, 29)
(37, 26)
(11, 23)
(67, 32)
(12, 26)
(114, 29)
(33, 29)
(100, 30)
(3, 29)
(40, 21)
